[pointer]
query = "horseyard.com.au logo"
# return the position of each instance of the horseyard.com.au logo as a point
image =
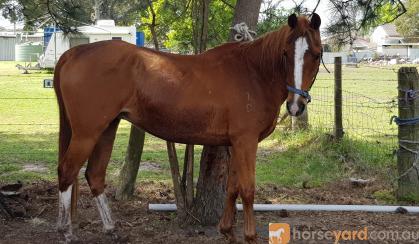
(279, 233)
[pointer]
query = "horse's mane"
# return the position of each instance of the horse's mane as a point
(268, 52)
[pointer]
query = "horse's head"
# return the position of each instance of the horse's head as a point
(303, 53)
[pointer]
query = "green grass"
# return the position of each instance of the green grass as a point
(28, 134)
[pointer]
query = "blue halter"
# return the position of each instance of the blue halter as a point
(300, 92)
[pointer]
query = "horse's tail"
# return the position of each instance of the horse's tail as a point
(64, 136)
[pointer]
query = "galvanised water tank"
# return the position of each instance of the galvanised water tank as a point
(28, 52)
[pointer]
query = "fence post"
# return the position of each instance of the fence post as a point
(338, 98)
(407, 157)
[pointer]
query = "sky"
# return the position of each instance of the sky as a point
(310, 4)
(5, 23)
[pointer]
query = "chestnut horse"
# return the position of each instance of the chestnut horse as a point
(229, 95)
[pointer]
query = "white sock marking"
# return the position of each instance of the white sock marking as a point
(105, 212)
(64, 212)
(301, 47)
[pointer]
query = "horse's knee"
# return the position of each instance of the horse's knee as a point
(247, 194)
(96, 185)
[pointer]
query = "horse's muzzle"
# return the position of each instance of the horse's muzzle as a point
(295, 109)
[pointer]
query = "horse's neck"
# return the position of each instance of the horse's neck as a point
(271, 70)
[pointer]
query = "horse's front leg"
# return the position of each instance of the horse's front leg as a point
(241, 181)
(245, 150)
(227, 220)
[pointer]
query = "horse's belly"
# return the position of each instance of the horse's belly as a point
(189, 127)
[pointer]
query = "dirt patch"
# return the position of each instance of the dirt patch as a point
(142, 226)
(34, 168)
(150, 166)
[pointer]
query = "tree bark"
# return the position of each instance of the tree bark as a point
(129, 170)
(153, 25)
(200, 25)
(177, 185)
(187, 179)
(246, 11)
(211, 186)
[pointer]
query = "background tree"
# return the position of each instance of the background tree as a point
(69, 14)
(408, 24)
(271, 17)
(354, 17)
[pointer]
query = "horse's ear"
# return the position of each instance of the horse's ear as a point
(292, 21)
(315, 21)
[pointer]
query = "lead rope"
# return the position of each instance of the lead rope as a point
(243, 32)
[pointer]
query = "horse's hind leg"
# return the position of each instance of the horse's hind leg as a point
(78, 151)
(96, 171)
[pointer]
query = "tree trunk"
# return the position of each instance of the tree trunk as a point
(211, 188)
(177, 185)
(153, 25)
(246, 11)
(129, 170)
(200, 25)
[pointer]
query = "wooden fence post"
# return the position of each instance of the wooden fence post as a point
(407, 157)
(129, 170)
(338, 99)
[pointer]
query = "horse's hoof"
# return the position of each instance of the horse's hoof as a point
(250, 240)
(229, 235)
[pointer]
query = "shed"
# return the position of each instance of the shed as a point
(7, 47)
(9, 40)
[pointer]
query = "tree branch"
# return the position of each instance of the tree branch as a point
(315, 8)
(227, 3)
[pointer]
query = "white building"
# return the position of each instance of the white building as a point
(390, 43)
(104, 30)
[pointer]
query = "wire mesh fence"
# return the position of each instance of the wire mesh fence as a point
(365, 117)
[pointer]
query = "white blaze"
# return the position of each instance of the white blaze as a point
(105, 212)
(301, 47)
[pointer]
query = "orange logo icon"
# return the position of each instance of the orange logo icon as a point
(279, 233)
